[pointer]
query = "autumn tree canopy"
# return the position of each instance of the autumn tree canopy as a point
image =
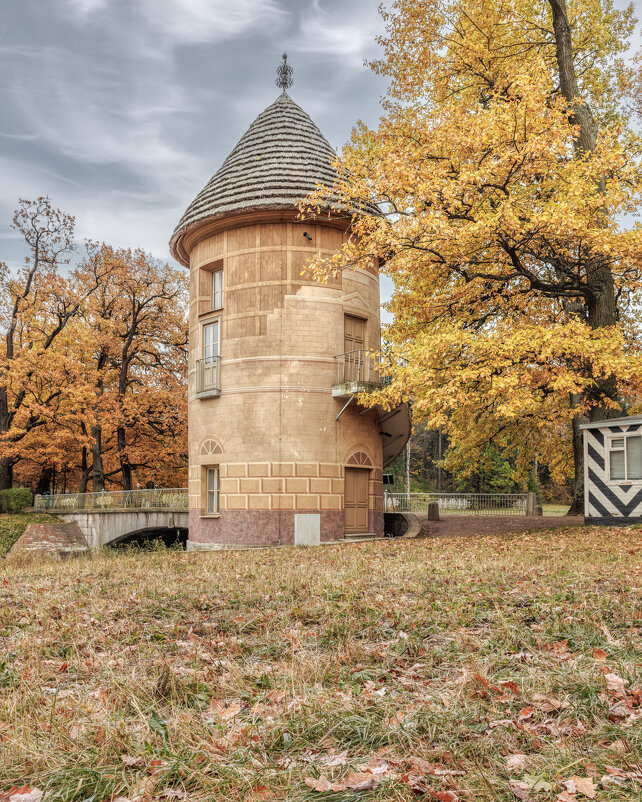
(507, 172)
(93, 365)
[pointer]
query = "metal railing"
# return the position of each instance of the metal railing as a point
(165, 498)
(359, 366)
(459, 503)
(207, 374)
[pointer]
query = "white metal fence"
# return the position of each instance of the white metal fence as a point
(166, 498)
(459, 503)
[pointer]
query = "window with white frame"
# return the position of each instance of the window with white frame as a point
(217, 289)
(212, 486)
(625, 458)
(211, 340)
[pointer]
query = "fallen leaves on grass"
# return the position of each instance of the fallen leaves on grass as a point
(516, 763)
(580, 785)
(24, 794)
(359, 781)
(392, 670)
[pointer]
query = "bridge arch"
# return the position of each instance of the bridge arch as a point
(169, 536)
(113, 527)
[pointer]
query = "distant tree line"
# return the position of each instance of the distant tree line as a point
(434, 464)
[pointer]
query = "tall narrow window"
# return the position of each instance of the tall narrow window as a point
(207, 367)
(217, 289)
(211, 340)
(212, 490)
(634, 457)
(617, 459)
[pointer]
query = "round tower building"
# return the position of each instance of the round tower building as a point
(279, 451)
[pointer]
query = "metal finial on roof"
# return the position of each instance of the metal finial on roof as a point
(284, 74)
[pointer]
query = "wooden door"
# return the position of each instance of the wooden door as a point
(355, 500)
(354, 329)
(354, 338)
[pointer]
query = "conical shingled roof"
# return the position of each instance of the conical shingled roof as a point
(279, 160)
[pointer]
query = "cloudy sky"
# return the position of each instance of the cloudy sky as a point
(121, 110)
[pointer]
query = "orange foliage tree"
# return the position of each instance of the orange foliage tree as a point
(135, 327)
(94, 365)
(504, 167)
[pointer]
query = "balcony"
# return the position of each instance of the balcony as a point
(357, 372)
(207, 377)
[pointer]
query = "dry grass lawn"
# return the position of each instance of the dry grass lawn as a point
(499, 668)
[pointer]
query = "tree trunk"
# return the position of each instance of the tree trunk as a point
(577, 501)
(84, 471)
(601, 303)
(6, 473)
(44, 482)
(6, 463)
(125, 465)
(97, 471)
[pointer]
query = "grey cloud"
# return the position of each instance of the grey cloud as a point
(121, 110)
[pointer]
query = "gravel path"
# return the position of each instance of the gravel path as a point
(471, 525)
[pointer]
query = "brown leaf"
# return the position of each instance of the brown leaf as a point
(223, 711)
(511, 686)
(259, 794)
(614, 771)
(524, 713)
(616, 685)
(24, 794)
(132, 761)
(520, 789)
(599, 654)
(322, 784)
(358, 781)
(442, 796)
(548, 703)
(580, 785)
(422, 768)
(618, 746)
(516, 762)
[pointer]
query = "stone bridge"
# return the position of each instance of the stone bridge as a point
(109, 518)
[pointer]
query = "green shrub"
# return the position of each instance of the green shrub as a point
(15, 500)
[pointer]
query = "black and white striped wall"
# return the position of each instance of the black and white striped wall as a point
(613, 471)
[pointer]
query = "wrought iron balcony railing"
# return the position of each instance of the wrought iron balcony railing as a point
(359, 367)
(207, 375)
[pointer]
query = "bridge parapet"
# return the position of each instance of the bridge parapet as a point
(165, 498)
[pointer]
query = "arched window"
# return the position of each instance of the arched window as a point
(359, 458)
(211, 446)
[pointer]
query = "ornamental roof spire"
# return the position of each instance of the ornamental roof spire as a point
(284, 74)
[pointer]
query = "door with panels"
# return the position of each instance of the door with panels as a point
(355, 500)
(354, 343)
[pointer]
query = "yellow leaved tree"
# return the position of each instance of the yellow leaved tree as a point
(508, 173)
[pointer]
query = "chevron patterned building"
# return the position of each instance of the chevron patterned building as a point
(613, 471)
